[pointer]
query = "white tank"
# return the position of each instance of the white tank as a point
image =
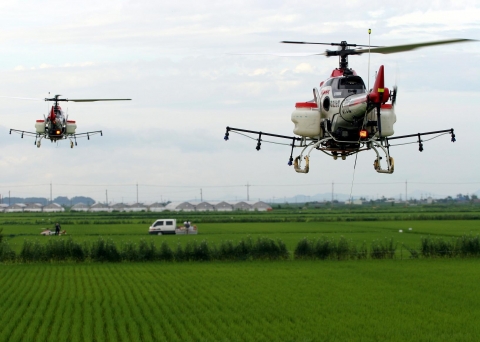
(306, 118)
(40, 126)
(387, 119)
(71, 127)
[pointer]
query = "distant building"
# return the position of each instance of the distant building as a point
(118, 207)
(79, 207)
(99, 207)
(243, 206)
(223, 206)
(204, 206)
(156, 207)
(136, 207)
(354, 202)
(52, 208)
(15, 208)
(33, 207)
(261, 206)
(177, 206)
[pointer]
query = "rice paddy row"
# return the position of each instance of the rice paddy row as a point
(257, 301)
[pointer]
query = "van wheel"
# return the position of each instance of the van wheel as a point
(160, 233)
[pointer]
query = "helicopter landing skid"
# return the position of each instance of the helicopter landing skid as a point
(376, 164)
(39, 141)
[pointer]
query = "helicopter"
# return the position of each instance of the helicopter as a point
(344, 117)
(56, 126)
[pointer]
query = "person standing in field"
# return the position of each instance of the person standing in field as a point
(57, 228)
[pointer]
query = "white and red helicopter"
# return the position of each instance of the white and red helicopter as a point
(56, 126)
(344, 117)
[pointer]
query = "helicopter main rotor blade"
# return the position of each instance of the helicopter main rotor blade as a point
(84, 100)
(280, 54)
(95, 100)
(408, 47)
(331, 44)
(21, 98)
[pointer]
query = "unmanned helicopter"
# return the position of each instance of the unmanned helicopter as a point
(344, 117)
(56, 126)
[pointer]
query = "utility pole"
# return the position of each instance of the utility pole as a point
(137, 192)
(201, 196)
(51, 192)
(248, 191)
(406, 192)
(8, 197)
(106, 197)
(332, 191)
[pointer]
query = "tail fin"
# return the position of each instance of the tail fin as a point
(379, 93)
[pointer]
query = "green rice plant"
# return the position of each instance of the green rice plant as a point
(104, 250)
(343, 251)
(359, 253)
(437, 247)
(6, 252)
(469, 245)
(383, 249)
(32, 251)
(165, 253)
(1, 235)
(244, 248)
(203, 252)
(266, 248)
(55, 250)
(304, 249)
(179, 254)
(128, 251)
(225, 251)
(324, 248)
(76, 251)
(146, 250)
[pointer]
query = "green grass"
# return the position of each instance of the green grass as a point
(421, 300)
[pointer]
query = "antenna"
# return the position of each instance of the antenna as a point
(368, 73)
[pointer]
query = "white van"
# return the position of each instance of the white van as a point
(163, 226)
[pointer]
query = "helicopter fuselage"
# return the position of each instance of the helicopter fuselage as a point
(55, 126)
(341, 109)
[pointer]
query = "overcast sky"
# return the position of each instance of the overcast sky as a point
(173, 59)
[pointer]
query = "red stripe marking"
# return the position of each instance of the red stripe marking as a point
(305, 105)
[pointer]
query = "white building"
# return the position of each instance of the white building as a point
(53, 208)
(118, 207)
(223, 206)
(261, 206)
(33, 207)
(156, 207)
(15, 208)
(204, 206)
(79, 207)
(243, 206)
(136, 207)
(177, 206)
(98, 207)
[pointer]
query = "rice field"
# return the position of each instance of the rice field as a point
(421, 300)
(289, 232)
(293, 300)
